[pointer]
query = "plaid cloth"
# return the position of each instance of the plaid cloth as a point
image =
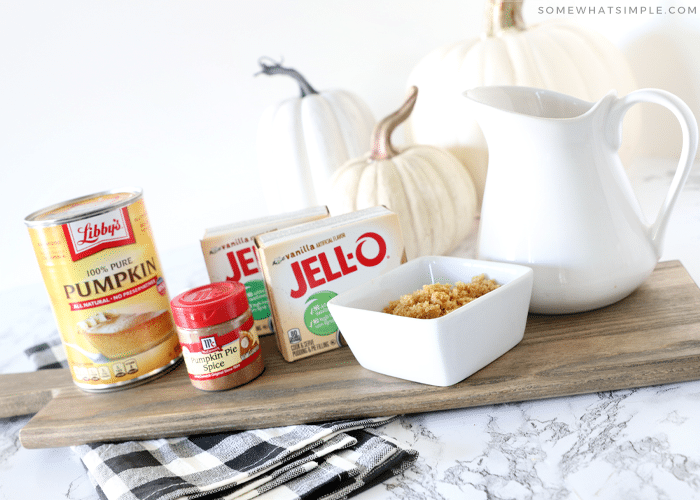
(329, 461)
(50, 354)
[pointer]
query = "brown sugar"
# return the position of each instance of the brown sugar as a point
(433, 301)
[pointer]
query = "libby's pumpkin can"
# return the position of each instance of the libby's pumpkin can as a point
(106, 289)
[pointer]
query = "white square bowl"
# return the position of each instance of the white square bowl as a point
(440, 351)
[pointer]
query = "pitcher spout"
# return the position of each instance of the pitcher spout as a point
(532, 102)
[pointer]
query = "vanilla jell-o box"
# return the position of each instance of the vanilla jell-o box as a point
(230, 255)
(307, 265)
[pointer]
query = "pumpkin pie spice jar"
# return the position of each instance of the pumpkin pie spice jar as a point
(216, 330)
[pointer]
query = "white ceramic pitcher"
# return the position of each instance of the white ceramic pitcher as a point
(557, 197)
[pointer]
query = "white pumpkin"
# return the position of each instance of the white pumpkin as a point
(428, 188)
(554, 55)
(302, 141)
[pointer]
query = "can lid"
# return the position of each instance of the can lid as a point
(83, 207)
(209, 305)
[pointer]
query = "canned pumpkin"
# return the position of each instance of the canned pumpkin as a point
(106, 289)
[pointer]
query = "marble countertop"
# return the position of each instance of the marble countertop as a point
(626, 444)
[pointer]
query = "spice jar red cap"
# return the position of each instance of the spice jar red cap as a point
(209, 305)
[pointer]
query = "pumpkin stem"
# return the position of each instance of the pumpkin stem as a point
(501, 15)
(381, 147)
(271, 67)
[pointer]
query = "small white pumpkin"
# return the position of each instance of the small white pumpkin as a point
(427, 187)
(555, 55)
(302, 141)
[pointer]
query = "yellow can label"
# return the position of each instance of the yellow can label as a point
(108, 295)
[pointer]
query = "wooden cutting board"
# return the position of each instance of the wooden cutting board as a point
(651, 337)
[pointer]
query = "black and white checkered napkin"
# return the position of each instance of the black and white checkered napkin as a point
(50, 354)
(331, 460)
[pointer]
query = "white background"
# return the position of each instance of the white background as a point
(161, 94)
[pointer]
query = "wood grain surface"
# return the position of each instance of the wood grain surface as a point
(651, 337)
(27, 393)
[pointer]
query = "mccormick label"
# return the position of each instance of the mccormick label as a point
(307, 265)
(216, 356)
(230, 255)
(106, 288)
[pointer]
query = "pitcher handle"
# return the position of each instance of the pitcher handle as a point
(689, 128)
